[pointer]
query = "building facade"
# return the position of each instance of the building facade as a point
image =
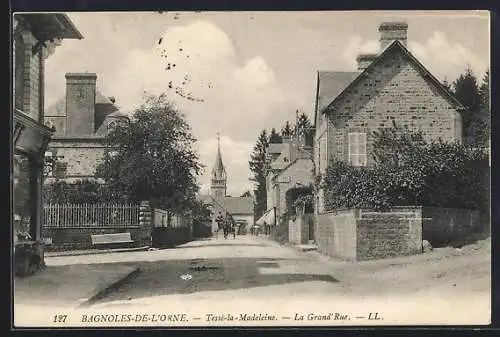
(389, 87)
(82, 120)
(290, 165)
(34, 37)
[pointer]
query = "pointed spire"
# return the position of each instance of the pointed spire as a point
(218, 172)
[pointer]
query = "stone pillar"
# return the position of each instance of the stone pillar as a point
(145, 223)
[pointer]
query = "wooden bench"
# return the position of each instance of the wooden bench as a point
(102, 239)
(47, 241)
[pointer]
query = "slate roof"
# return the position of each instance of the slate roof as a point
(331, 84)
(233, 205)
(219, 171)
(59, 107)
(283, 159)
(275, 148)
(397, 46)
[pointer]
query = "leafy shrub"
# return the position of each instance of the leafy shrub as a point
(299, 196)
(408, 171)
(79, 192)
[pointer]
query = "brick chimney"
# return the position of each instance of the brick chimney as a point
(80, 103)
(364, 60)
(391, 31)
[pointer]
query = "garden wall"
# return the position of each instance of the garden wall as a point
(357, 234)
(79, 237)
(442, 226)
(336, 234)
(298, 230)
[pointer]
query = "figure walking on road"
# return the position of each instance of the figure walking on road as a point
(227, 225)
(220, 222)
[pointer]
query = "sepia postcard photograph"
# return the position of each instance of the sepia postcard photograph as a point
(250, 169)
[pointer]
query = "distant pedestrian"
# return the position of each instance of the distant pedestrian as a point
(220, 222)
(227, 225)
(233, 227)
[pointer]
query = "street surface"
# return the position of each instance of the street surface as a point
(212, 278)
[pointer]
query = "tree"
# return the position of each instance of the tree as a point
(151, 157)
(467, 92)
(258, 166)
(274, 137)
(304, 127)
(303, 123)
(246, 194)
(287, 130)
(485, 109)
(80, 192)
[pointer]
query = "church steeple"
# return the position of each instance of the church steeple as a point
(219, 177)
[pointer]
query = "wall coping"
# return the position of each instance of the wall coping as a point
(393, 209)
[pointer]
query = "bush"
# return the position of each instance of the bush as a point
(80, 192)
(299, 197)
(408, 171)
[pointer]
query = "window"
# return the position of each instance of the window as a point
(357, 148)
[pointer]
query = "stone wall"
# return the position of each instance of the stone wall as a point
(81, 156)
(442, 226)
(336, 234)
(32, 69)
(167, 237)
(364, 235)
(298, 229)
(395, 90)
(79, 238)
(382, 235)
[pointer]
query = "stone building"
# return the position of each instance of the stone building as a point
(390, 86)
(290, 166)
(35, 36)
(240, 208)
(82, 119)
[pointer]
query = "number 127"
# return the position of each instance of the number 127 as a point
(60, 318)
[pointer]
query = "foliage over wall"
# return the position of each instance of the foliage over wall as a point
(80, 192)
(153, 157)
(299, 197)
(409, 172)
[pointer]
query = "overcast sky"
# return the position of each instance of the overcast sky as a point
(249, 70)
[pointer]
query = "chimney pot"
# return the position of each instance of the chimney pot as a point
(364, 60)
(80, 103)
(391, 31)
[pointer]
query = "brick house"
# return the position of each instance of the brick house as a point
(82, 119)
(389, 86)
(290, 165)
(34, 38)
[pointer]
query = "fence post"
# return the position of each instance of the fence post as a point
(145, 223)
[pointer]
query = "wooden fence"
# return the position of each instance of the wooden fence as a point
(90, 215)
